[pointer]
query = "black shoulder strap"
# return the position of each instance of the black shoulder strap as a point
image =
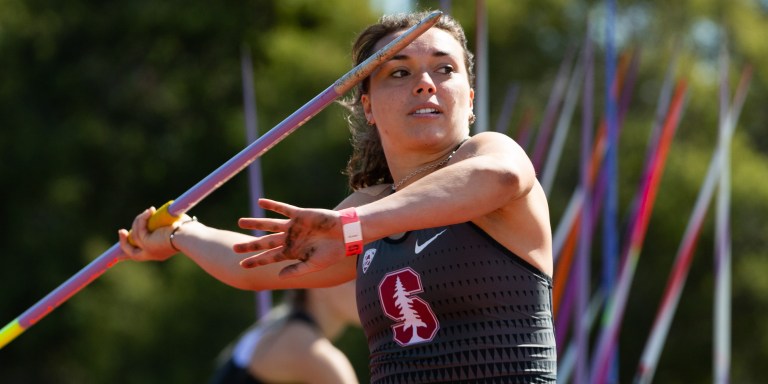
(299, 315)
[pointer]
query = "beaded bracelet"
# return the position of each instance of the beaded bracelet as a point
(173, 233)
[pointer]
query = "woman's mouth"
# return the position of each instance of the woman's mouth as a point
(425, 111)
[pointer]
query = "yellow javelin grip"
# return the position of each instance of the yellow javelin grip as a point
(161, 218)
(9, 332)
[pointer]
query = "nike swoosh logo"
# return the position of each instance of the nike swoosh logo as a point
(420, 248)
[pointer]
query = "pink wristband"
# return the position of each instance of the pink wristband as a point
(353, 232)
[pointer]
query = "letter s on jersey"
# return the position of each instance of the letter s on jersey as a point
(415, 322)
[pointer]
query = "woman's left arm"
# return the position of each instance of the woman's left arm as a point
(490, 172)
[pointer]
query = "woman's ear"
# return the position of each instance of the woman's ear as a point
(365, 100)
(471, 98)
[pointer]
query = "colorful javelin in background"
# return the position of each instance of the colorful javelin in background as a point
(685, 253)
(263, 299)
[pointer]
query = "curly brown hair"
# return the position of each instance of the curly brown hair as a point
(368, 166)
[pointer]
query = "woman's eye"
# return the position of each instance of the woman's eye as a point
(400, 73)
(446, 69)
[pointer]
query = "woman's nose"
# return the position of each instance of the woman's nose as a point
(425, 85)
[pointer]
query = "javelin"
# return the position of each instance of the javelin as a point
(172, 210)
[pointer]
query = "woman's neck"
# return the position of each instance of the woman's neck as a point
(425, 169)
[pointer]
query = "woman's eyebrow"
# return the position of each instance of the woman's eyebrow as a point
(406, 57)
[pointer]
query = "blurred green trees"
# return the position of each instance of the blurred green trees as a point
(106, 108)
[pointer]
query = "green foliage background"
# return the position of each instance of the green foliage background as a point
(108, 107)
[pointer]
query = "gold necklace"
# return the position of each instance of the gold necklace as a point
(439, 164)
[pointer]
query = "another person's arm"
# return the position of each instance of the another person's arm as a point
(298, 355)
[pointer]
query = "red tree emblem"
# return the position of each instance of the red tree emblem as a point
(415, 320)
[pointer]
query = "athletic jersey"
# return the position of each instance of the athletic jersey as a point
(450, 304)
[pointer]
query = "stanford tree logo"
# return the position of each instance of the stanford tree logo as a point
(415, 322)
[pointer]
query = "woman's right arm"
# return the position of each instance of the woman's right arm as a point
(211, 249)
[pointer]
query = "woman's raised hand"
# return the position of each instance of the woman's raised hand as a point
(314, 237)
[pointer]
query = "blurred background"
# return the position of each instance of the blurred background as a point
(109, 107)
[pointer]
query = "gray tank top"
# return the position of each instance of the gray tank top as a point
(450, 304)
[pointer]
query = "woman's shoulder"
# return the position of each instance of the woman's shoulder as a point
(491, 142)
(491, 137)
(378, 191)
(366, 195)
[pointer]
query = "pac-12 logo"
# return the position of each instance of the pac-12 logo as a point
(368, 259)
(415, 322)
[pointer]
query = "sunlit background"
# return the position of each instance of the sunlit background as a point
(109, 107)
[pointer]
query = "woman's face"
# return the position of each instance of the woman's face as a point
(422, 96)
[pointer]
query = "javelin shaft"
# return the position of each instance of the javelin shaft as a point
(61, 294)
(197, 193)
(175, 208)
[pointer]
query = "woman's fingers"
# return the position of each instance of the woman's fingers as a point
(298, 269)
(140, 222)
(263, 224)
(306, 235)
(127, 248)
(132, 251)
(276, 255)
(267, 257)
(265, 242)
(286, 210)
(139, 227)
